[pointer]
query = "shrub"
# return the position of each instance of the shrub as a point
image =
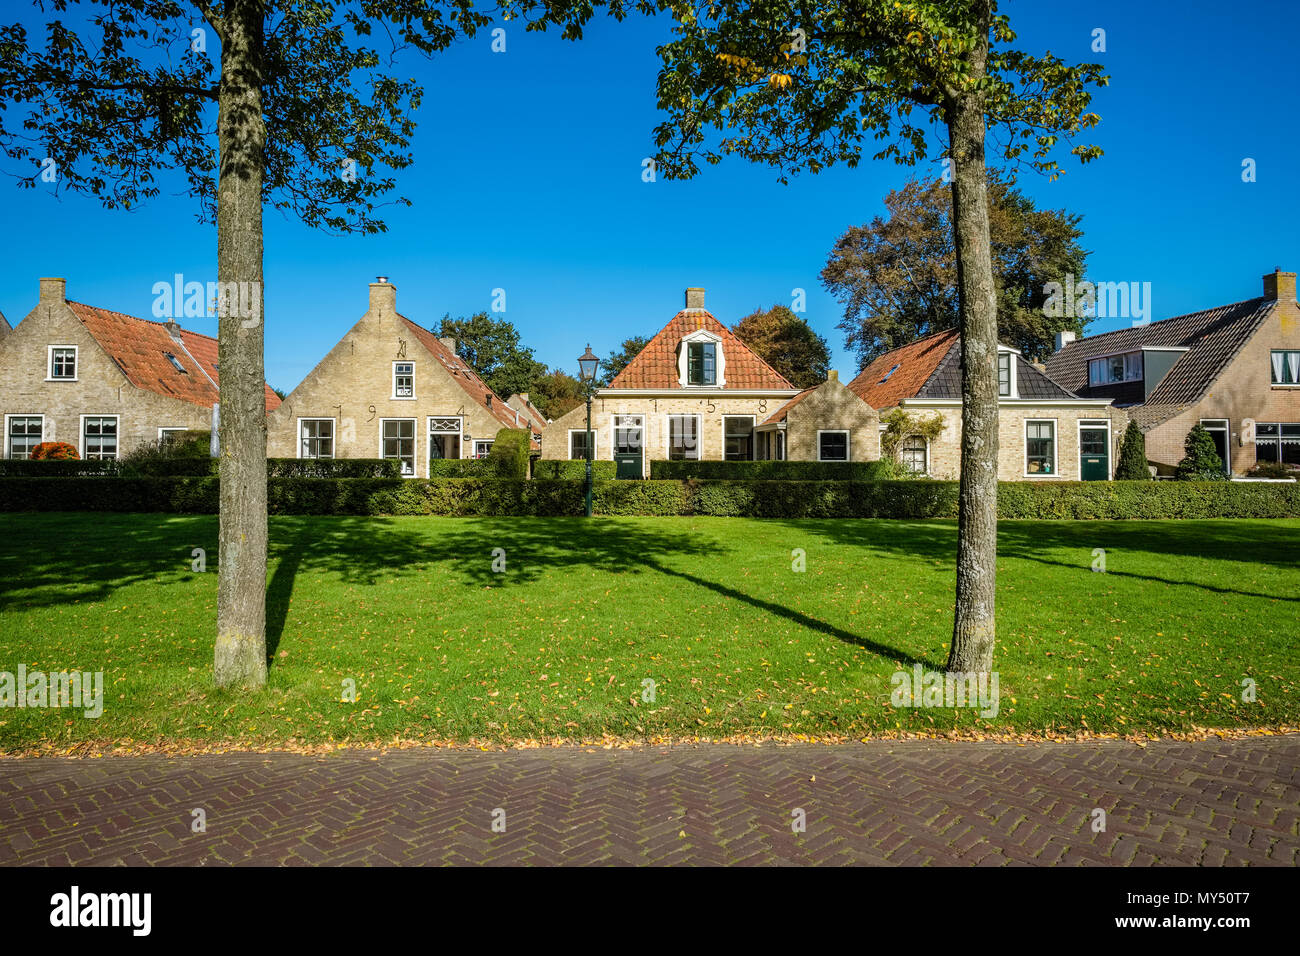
(773, 470)
(333, 468)
(510, 452)
(462, 468)
(54, 451)
(1273, 469)
(1132, 464)
(912, 499)
(1201, 461)
(25, 468)
(572, 470)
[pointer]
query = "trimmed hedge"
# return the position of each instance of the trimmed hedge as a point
(773, 470)
(758, 499)
(333, 468)
(508, 459)
(57, 468)
(572, 470)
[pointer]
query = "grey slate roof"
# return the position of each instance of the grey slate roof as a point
(1031, 382)
(1212, 339)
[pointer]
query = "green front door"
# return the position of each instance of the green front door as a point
(1094, 454)
(629, 446)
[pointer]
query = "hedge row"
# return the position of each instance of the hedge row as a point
(772, 470)
(200, 467)
(758, 499)
(572, 470)
(333, 468)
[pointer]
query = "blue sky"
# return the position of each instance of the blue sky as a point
(528, 178)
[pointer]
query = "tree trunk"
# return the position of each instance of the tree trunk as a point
(977, 518)
(240, 658)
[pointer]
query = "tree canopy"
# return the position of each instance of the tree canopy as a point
(491, 347)
(897, 276)
(620, 358)
(786, 342)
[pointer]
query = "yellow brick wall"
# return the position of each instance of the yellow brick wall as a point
(100, 388)
(1243, 391)
(353, 385)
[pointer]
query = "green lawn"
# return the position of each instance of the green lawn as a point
(441, 647)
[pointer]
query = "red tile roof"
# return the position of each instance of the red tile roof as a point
(468, 379)
(656, 365)
(140, 349)
(880, 388)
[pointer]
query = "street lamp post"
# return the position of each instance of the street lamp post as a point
(587, 363)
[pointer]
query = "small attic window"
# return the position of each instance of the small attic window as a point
(176, 363)
(889, 373)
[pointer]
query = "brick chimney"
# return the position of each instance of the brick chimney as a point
(832, 376)
(1277, 285)
(383, 296)
(1063, 338)
(55, 291)
(450, 342)
(695, 298)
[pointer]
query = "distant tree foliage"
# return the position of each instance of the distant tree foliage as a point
(897, 277)
(1132, 465)
(787, 343)
(556, 393)
(491, 347)
(620, 359)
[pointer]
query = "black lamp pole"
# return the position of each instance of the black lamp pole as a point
(587, 363)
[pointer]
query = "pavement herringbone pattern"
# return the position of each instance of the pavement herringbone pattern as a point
(1216, 802)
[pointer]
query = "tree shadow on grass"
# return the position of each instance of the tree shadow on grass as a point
(362, 550)
(1257, 543)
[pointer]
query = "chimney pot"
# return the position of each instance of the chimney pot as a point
(695, 298)
(1279, 285)
(54, 291)
(383, 296)
(1063, 339)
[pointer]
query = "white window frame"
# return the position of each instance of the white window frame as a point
(668, 435)
(49, 363)
(1056, 448)
(1106, 358)
(1013, 390)
(334, 433)
(403, 398)
(429, 432)
(1285, 353)
(1091, 424)
(595, 443)
(753, 437)
(719, 359)
(926, 442)
(483, 441)
(81, 435)
(1227, 438)
(848, 443)
(415, 443)
(8, 449)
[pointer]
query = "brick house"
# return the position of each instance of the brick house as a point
(1045, 431)
(391, 389)
(1234, 369)
(694, 392)
(825, 423)
(102, 381)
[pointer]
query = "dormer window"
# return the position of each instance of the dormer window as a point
(1113, 369)
(1006, 374)
(700, 361)
(176, 363)
(62, 363)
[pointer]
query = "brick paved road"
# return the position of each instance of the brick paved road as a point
(1215, 802)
